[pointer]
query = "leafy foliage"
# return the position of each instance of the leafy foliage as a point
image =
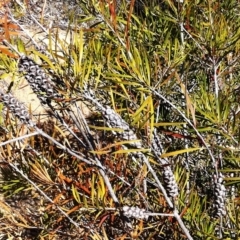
(161, 82)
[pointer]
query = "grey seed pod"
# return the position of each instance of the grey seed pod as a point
(170, 182)
(33, 69)
(116, 121)
(38, 78)
(134, 212)
(219, 196)
(17, 108)
(156, 143)
(223, 189)
(125, 208)
(40, 83)
(41, 72)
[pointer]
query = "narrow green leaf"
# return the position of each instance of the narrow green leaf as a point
(76, 194)
(132, 150)
(174, 153)
(169, 124)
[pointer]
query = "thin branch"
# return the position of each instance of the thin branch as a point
(19, 138)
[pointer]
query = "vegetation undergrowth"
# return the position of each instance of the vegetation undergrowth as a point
(158, 157)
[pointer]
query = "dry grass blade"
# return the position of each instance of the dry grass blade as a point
(40, 174)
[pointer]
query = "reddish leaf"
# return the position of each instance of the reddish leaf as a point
(5, 50)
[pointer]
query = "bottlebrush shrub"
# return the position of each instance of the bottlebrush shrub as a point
(152, 72)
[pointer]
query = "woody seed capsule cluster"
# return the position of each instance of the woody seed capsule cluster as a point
(134, 212)
(170, 182)
(219, 196)
(168, 176)
(114, 120)
(17, 108)
(38, 80)
(156, 143)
